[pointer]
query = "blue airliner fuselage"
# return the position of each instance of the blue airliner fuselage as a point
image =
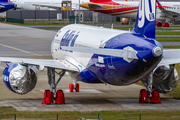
(123, 71)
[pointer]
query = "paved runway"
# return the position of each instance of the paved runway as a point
(92, 97)
(28, 42)
(170, 43)
(24, 41)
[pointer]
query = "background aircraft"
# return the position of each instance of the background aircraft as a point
(166, 11)
(5, 5)
(101, 55)
(47, 4)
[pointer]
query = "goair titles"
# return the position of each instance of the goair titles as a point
(69, 38)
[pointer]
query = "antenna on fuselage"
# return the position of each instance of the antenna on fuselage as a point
(112, 26)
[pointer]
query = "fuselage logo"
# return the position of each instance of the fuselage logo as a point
(69, 38)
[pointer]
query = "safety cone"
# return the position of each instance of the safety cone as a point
(155, 97)
(71, 87)
(143, 96)
(77, 87)
(60, 97)
(47, 97)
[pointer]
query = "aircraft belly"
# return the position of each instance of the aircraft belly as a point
(119, 72)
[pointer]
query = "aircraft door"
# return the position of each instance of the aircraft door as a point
(81, 17)
(109, 59)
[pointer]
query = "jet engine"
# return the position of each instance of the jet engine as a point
(165, 79)
(20, 78)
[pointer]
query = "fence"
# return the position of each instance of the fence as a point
(87, 17)
(12, 20)
(72, 116)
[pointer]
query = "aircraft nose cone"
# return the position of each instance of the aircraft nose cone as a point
(157, 51)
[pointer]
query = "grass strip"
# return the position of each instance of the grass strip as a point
(172, 47)
(176, 92)
(168, 40)
(167, 33)
(118, 28)
(49, 28)
(10, 113)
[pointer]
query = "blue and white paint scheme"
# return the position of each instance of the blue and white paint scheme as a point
(101, 55)
(115, 70)
(5, 5)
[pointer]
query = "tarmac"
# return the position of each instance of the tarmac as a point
(26, 42)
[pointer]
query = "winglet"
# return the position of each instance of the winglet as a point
(146, 19)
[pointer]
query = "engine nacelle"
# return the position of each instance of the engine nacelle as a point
(165, 79)
(20, 78)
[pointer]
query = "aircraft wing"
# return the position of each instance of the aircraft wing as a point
(42, 63)
(168, 13)
(170, 56)
(49, 6)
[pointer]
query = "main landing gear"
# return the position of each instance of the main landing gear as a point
(58, 96)
(149, 93)
(74, 86)
(51, 95)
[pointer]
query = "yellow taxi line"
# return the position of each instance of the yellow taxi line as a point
(19, 50)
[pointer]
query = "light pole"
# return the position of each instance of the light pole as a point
(79, 11)
(67, 11)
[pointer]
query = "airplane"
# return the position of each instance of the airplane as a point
(166, 11)
(94, 54)
(5, 5)
(46, 4)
